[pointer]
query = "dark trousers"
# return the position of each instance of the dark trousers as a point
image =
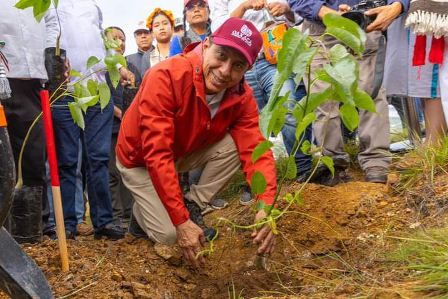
(25, 221)
(121, 197)
(96, 142)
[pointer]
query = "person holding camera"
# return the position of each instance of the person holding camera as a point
(374, 16)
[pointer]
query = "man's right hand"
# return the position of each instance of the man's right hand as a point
(190, 239)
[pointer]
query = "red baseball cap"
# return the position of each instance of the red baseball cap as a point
(240, 35)
(188, 1)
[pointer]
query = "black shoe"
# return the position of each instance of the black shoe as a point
(135, 229)
(376, 174)
(109, 231)
(323, 176)
(196, 217)
(53, 236)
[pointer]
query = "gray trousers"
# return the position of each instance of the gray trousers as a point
(373, 130)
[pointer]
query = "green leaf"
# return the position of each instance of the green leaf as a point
(114, 76)
(364, 101)
(301, 127)
(337, 53)
(92, 61)
(75, 73)
(56, 3)
(104, 92)
(328, 161)
(310, 103)
(350, 116)
(260, 205)
(261, 149)
(298, 198)
(275, 212)
(22, 4)
(291, 168)
(258, 183)
(92, 86)
(306, 146)
(288, 198)
(86, 102)
(80, 91)
(113, 60)
(76, 112)
(272, 118)
(40, 9)
(346, 31)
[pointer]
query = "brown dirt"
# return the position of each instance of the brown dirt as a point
(333, 246)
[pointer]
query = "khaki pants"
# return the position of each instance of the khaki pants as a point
(373, 128)
(220, 162)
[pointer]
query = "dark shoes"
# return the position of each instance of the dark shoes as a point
(53, 236)
(246, 198)
(109, 231)
(196, 217)
(135, 229)
(323, 176)
(376, 174)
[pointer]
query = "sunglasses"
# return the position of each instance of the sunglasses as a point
(192, 5)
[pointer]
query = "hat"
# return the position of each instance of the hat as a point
(141, 26)
(178, 22)
(240, 35)
(188, 1)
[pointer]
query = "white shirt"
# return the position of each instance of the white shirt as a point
(221, 10)
(25, 42)
(81, 34)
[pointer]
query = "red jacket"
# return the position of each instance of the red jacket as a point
(169, 119)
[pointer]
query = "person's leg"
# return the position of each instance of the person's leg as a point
(220, 161)
(96, 143)
(252, 78)
(79, 195)
(67, 135)
(435, 122)
(25, 222)
(148, 210)
(114, 182)
(374, 128)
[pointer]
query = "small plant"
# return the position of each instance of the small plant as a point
(340, 71)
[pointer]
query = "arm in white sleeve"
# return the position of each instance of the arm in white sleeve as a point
(220, 13)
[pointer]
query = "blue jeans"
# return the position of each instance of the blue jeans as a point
(96, 140)
(79, 196)
(261, 79)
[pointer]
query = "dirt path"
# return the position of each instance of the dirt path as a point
(331, 247)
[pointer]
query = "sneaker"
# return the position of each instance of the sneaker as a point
(246, 198)
(196, 217)
(109, 231)
(376, 174)
(84, 229)
(215, 204)
(135, 229)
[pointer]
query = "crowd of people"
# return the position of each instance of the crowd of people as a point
(184, 118)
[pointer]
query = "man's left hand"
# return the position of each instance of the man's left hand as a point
(264, 236)
(127, 77)
(385, 15)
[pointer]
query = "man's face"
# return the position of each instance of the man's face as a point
(197, 12)
(117, 35)
(162, 29)
(223, 67)
(143, 38)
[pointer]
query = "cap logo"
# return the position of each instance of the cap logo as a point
(244, 34)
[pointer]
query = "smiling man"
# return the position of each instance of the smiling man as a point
(194, 110)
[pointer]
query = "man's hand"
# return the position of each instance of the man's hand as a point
(264, 236)
(127, 77)
(118, 113)
(190, 239)
(326, 10)
(278, 8)
(254, 4)
(385, 15)
(67, 69)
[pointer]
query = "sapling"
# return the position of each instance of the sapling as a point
(340, 72)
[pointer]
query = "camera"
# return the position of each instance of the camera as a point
(357, 11)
